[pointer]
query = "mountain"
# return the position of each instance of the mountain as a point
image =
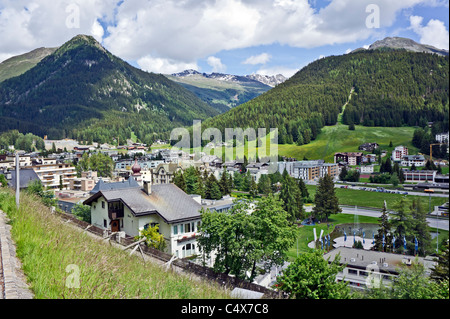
(221, 91)
(20, 64)
(270, 80)
(83, 91)
(397, 43)
(386, 88)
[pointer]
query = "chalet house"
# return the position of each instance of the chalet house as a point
(127, 207)
(417, 160)
(350, 158)
(369, 147)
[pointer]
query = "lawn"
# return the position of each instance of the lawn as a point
(52, 253)
(305, 234)
(339, 138)
(374, 199)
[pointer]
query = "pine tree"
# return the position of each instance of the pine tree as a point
(384, 230)
(212, 188)
(224, 183)
(420, 228)
(291, 198)
(179, 180)
(326, 201)
(440, 271)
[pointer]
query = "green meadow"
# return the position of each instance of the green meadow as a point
(339, 138)
(336, 138)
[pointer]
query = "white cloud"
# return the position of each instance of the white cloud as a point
(170, 34)
(164, 66)
(26, 25)
(97, 31)
(216, 64)
(262, 58)
(434, 33)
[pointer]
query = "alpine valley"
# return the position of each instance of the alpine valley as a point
(82, 91)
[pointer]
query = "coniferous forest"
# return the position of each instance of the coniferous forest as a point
(390, 88)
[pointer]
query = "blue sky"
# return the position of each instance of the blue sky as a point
(230, 36)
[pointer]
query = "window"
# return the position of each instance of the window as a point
(187, 228)
(181, 228)
(193, 226)
(104, 223)
(352, 271)
(103, 204)
(175, 229)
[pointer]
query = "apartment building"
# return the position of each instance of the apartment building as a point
(54, 175)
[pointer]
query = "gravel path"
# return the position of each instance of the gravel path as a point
(12, 280)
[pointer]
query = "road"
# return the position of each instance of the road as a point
(432, 222)
(369, 188)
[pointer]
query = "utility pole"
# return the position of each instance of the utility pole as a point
(17, 180)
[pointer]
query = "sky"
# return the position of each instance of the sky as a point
(227, 36)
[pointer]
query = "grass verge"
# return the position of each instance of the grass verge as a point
(58, 258)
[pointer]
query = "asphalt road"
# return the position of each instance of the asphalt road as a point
(432, 222)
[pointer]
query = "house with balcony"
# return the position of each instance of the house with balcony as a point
(351, 158)
(416, 160)
(53, 175)
(127, 207)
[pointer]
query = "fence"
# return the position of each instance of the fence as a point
(228, 281)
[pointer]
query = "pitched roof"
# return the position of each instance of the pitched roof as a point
(102, 186)
(26, 176)
(166, 200)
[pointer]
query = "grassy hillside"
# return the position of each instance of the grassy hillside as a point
(339, 138)
(47, 247)
(18, 65)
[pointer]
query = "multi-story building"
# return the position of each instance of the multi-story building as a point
(419, 175)
(308, 170)
(442, 138)
(351, 158)
(399, 152)
(55, 175)
(85, 183)
(164, 173)
(368, 268)
(128, 207)
(417, 160)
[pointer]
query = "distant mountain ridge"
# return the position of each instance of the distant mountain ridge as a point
(225, 91)
(269, 80)
(19, 64)
(405, 44)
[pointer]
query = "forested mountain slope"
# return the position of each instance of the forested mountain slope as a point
(391, 88)
(82, 91)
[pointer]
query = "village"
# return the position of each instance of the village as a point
(139, 191)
